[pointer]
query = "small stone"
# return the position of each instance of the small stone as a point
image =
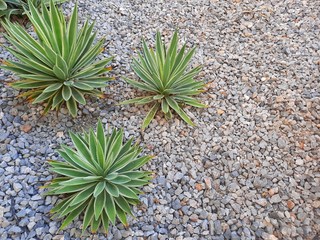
(36, 198)
(31, 225)
(53, 230)
(211, 227)
(22, 213)
(17, 187)
(139, 233)
(315, 204)
(176, 204)
(161, 180)
(24, 222)
(286, 231)
(10, 169)
(1, 211)
(217, 227)
(198, 186)
(3, 135)
(269, 237)
(247, 34)
(290, 204)
(248, 24)
(302, 216)
(207, 182)
(235, 174)
(14, 230)
(272, 191)
(203, 214)
(178, 176)
(246, 232)
(25, 117)
(193, 203)
(58, 237)
(233, 187)
(275, 198)
(194, 217)
(126, 233)
(60, 134)
(274, 215)
(263, 144)
(220, 111)
(117, 234)
(4, 223)
(39, 231)
(163, 231)
(234, 236)
(147, 228)
(262, 202)
(279, 99)
(26, 128)
(154, 237)
(300, 162)
(282, 143)
(64, 111)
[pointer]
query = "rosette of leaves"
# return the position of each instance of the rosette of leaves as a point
(166, 79)
(99, 177)
(18, 7)
(60, 66)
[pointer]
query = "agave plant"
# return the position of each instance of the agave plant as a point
(18, 7)
(164, 76)
(99, 178)
(60, 67)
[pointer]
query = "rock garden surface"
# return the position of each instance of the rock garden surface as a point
(248, 170)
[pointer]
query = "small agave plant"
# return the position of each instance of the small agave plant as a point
(18, 7)
(100, 178)
(59, 67)
(166, 80)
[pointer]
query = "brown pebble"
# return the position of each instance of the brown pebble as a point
(290, 204)
(60, 134)
(220, 111)
(199, 186)
(26, 128)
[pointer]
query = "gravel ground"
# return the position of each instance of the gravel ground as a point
(248, 170)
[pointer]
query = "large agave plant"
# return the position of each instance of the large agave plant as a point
(99, 178)
(165, 78)
(18, 7)
(60, 66)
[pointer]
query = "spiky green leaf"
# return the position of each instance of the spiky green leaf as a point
(165, 78)
(60, 63)
(102, 187)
